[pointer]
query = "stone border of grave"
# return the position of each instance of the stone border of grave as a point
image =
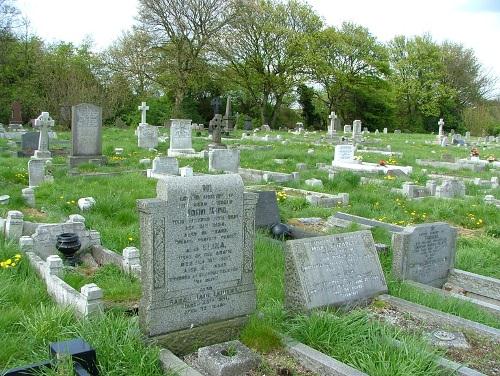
(440, 318)
(267, 176)
(86, 303)
(324, 200)
(129, 261)
(491, 308)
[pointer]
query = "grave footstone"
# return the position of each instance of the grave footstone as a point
(335, 270)
(197, 261)
(424, 253)
(86, 124)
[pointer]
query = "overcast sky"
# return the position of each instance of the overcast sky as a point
(474, 23)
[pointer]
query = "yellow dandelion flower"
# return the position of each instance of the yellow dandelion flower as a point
(130, 238)
(13, 264)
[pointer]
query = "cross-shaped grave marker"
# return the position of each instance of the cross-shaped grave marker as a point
(143, 108)
(44, 121)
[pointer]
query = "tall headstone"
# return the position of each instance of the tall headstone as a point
(86, 124)
(424, 253)
(43, 122)
(331, 128)
(216, 124)
(385, 130)
(441, 130)
(197, 261)
(333, 270)
(180, 138)
(16, 119)
(248, 124)
(228, 120)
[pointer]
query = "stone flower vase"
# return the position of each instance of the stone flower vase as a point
(68, 244)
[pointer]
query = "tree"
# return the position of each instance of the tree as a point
(306, 101)
(182, 30)
(9, 14)
(263, 50)
(352, 68)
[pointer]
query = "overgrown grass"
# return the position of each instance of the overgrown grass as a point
(29, 320)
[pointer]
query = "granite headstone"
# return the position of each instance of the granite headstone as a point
(334, 270)
(424, 253)
(197, 261)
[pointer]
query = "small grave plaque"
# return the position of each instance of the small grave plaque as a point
(424, 253)
(333, 270)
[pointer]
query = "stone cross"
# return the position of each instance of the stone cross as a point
(441, 125)
(332, 117)
(143, 108)
(44, 121)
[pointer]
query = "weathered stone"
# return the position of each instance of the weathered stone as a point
(147, 136)
(334, 270)
(180, 138)
(86, 124)
(424, 253)
(165, 166)
(29, 143)
(196, 259)
(344, 153)
(227, 160)
(227, 359)
(451, 188)
(267, 211)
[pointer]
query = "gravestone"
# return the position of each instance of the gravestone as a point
(16, 119)
(266, 212)
(165, 165)
(331, 127)
(147, 136)
(43, 122)
(385, 130)
(227, 160)
(424, 253)
(344, 153)
(197, 261)
(86, 123)
(333, 270)
(451, 188)
(180, 138)
(36, 171)
(248, 124)
(228, 120)
(216, 124)
(347, 128)
(29, 143)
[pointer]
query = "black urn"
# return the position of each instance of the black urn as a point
(68, 244)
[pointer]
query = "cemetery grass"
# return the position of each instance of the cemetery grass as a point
(115, 217)
(29, 320)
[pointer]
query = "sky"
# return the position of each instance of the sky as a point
(474, 23)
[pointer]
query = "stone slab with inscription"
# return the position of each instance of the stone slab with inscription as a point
(180, 138)
(197, 260)
(424, 253)
(334, 270)
(344, 153)
(86, 124)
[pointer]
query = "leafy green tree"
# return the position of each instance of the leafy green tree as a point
(263, 48)
(352, 67)
(306, 101)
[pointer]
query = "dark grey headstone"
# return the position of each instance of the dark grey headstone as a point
(266, 212)
(29, 142)
(424, 253)
(333, 270)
